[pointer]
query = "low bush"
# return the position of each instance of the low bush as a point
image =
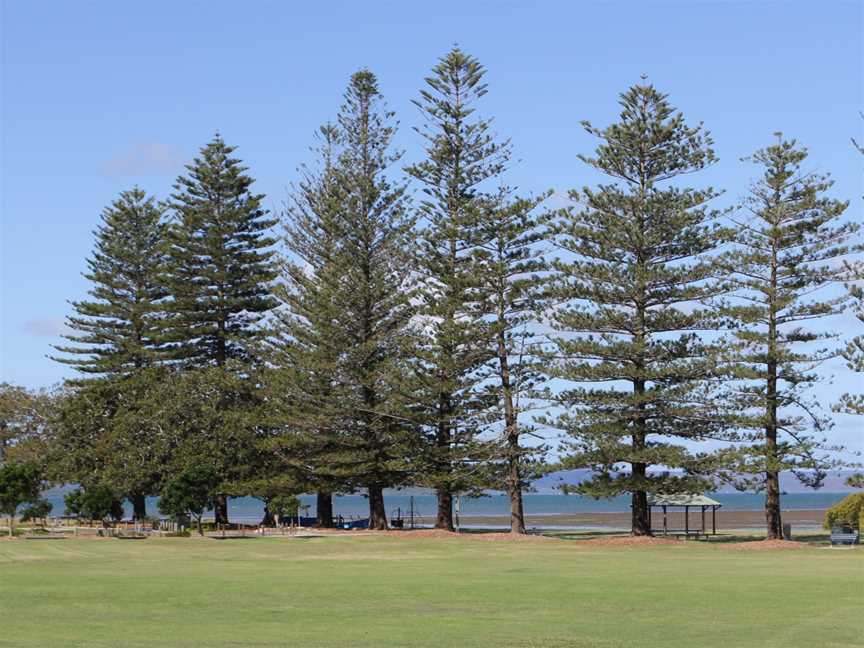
(847, 512)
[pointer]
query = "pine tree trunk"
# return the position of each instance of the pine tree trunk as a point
(517, 514)
(324, 510)
(139, 506)
(773, 518)
(511, 425)
(444, 519)
(377, 513)
(641, 520)
(220, 509)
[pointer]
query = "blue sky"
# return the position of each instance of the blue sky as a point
(99, 96)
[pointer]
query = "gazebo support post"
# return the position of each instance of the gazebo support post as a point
(686, 522)
(665, 526)
(713, 520)
(703, 521)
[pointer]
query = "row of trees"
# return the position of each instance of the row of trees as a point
(383, 341)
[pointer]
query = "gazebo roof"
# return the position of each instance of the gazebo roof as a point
(682, 500)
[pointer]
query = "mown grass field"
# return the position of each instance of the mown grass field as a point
(385, 591)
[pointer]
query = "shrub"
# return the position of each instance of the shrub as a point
(847, 512)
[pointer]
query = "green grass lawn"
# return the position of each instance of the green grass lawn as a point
(385, 591)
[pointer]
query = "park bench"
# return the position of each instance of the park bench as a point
(841, 536)
(678, 533)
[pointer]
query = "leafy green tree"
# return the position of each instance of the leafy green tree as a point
(512, 271)
(284, 506)
(25, 423)
(94, 502)
(637, 261)
(190, 493)
(788, 238)
(375, 252)
(111, 431)
(219, 271)
(453, 349)
(119, 330)
(20, 483)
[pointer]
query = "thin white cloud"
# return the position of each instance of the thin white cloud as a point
(45, 327)
(144, 157)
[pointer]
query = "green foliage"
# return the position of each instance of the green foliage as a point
(25, 423)
(856, 480)
(512, 272)
(37, 510)
(637, 264)
(219, 263)
(283, 506)
(788, 240)
(118, 332)
(95, 502)
(847, 512)
(375, 259)
(20, 483)
(853, 403)
(454, 346)
(112, 432)
(189, 493)
(303, 390)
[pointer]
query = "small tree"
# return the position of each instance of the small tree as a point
(284, 506)
(37, 510)
(97, 502)
(190, 493)
(19, 483)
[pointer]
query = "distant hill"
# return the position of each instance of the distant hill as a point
(834, 483)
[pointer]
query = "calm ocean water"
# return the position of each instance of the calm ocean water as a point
(355, 506)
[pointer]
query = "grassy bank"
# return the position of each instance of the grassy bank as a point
(376, 591)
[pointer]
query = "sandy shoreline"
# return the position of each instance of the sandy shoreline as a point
(621, 520)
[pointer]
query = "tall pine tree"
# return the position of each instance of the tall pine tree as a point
(513, 278)
(220, 268)
(461, 155)
(305, 385)
(788, 239)
(117, 342)
(637, 263)
(376, 251)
